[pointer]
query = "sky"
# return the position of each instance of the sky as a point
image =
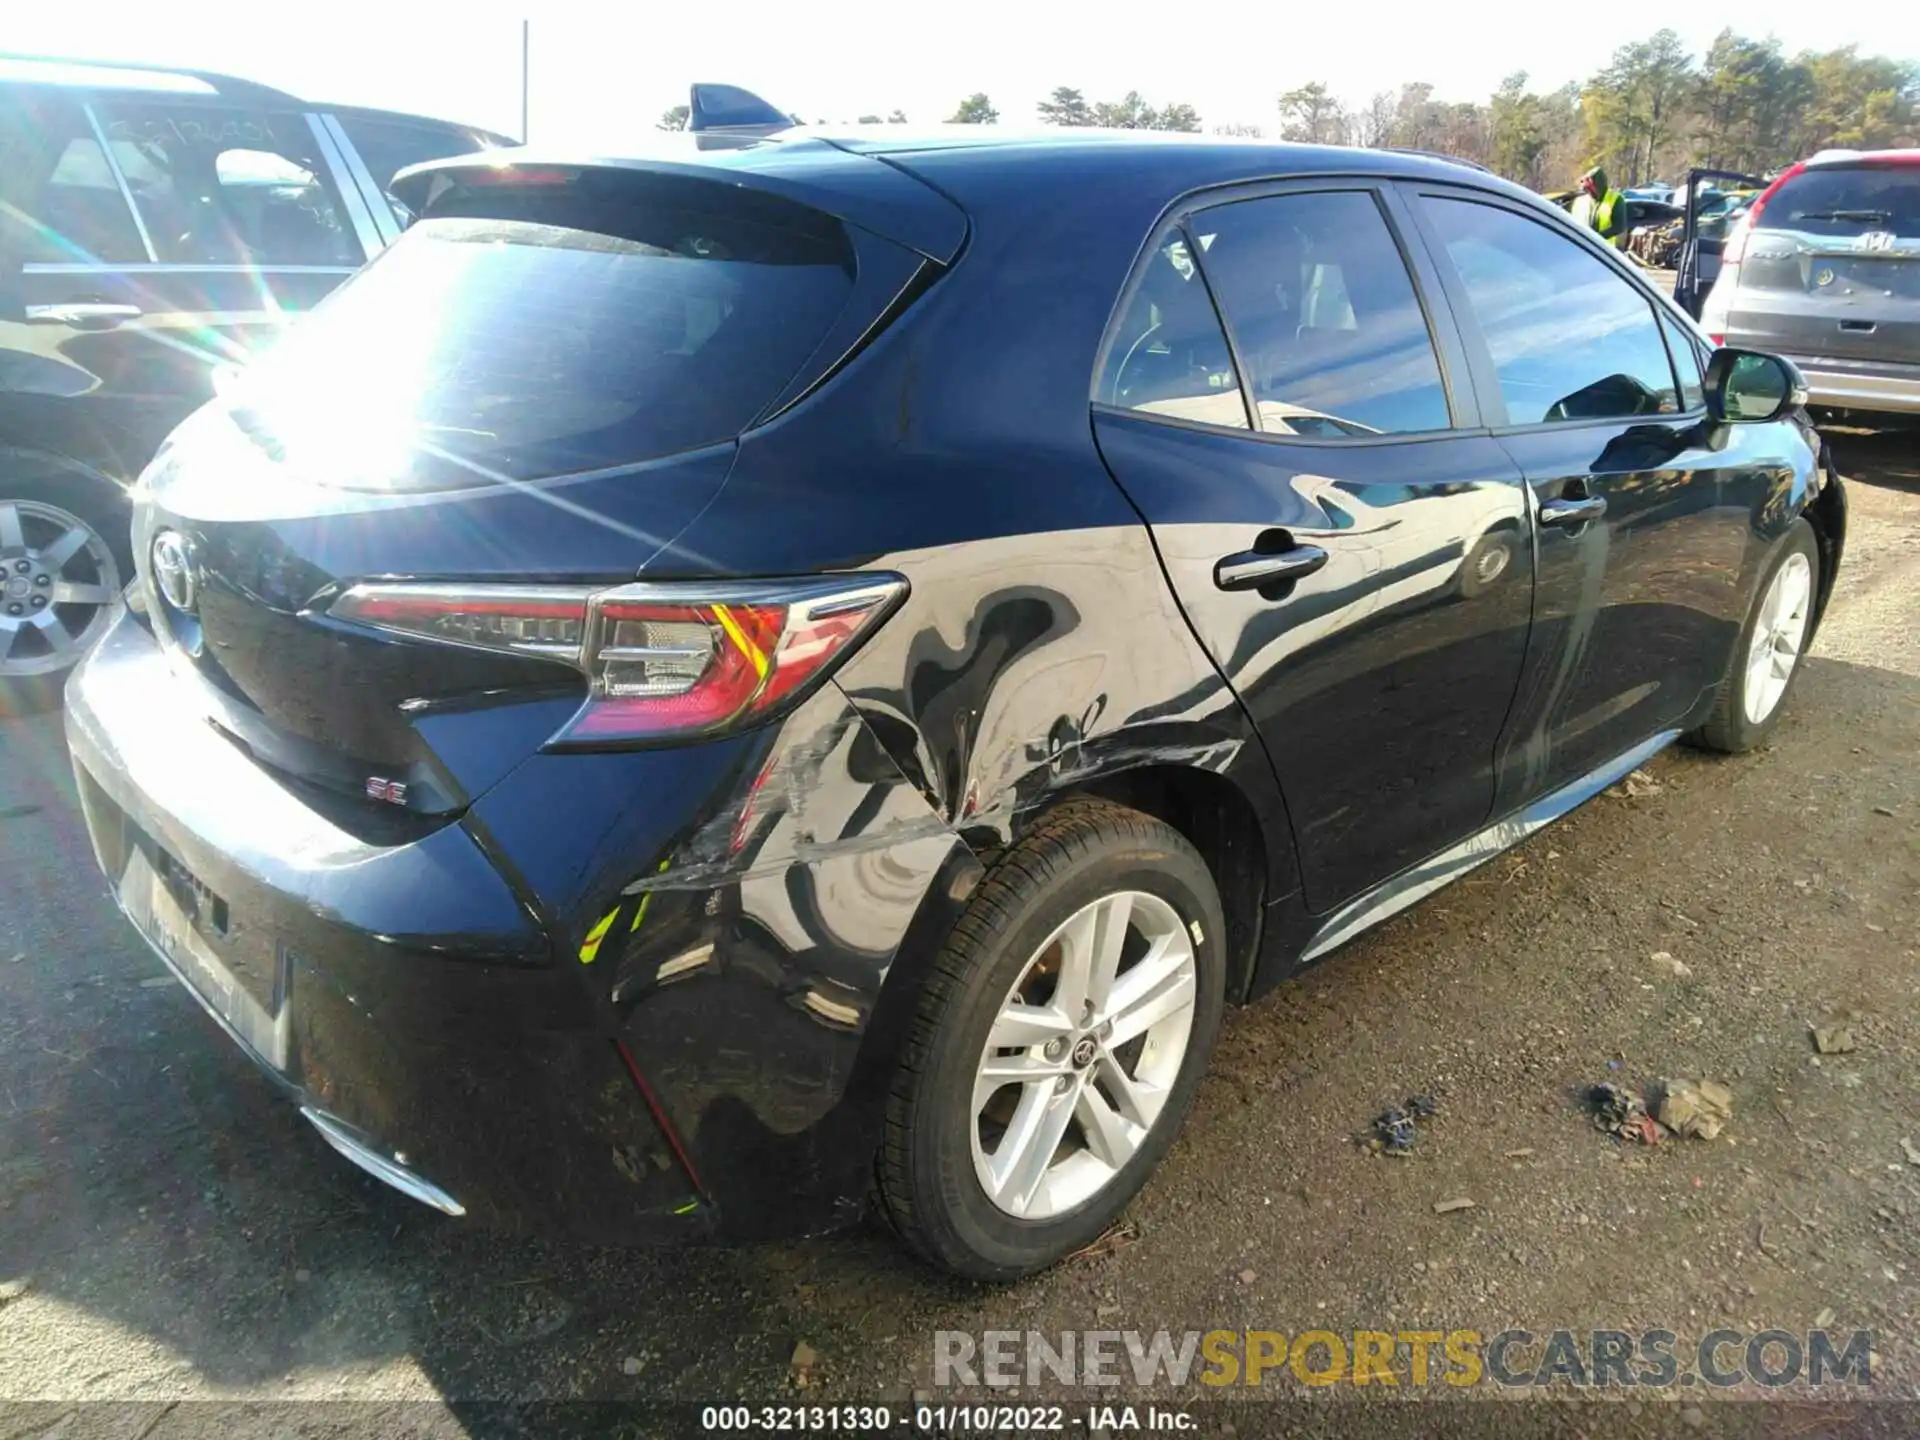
(597, 69)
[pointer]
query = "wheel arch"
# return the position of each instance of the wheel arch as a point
(1220, 821)
(1827, 514)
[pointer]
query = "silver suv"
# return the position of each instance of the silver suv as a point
(1825, 269)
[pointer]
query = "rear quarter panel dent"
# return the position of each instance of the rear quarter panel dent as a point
(1027, 664)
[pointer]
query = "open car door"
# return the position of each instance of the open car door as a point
(1701, 240)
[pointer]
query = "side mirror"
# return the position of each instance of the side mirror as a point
(1747, 387)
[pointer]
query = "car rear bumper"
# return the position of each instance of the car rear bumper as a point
(1860, 386)
(431, 1009)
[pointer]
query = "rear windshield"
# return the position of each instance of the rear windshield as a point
(534, 334)
(1850, 202)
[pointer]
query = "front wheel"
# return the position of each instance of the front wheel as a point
(1767, 656)
(60, 583)
(1487, 560)
(1058, 1044)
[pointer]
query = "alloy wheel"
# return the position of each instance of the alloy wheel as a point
(1082, 1055)
(1779, 634)
(59, 585)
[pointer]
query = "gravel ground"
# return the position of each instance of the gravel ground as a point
(170, 1231)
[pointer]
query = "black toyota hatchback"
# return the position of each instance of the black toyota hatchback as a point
(701, 689)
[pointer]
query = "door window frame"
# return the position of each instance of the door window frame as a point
(1459, 382)
(379, 203)
(1480, 354)
(1167, 229)
(357, 214)
(355, 164)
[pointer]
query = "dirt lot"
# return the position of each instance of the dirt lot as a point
(169, 1230)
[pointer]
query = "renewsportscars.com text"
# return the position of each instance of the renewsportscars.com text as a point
(1601, 1359)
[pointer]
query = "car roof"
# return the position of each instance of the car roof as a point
(180, 83)
(1005, 176)
(1855, 157)
(975, 170)
(1067, 146)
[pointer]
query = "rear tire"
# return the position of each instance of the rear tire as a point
(1008, 1043)
(1767, 657)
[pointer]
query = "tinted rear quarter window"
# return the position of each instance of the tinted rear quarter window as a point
(1849, 201)
(541, 333)
(1168, 356)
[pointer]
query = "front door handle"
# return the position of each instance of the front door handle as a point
(1573, 510)
(1254, 570)
(82, 314)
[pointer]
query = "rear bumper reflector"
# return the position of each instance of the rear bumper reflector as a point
(379, 1166)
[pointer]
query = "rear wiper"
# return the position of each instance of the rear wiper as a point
(1882, 215)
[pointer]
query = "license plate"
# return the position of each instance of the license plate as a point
(152, 895)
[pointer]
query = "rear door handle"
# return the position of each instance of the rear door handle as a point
(83, 314)
(1573, 510)
(1253, 570)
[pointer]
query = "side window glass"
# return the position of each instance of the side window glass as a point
(1324, 315)
(1168, 355)
(59, 202)
(229, 187)
(1570, 339)
(388, 146)
(1686, 363)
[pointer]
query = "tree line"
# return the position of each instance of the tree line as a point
(1652, 111)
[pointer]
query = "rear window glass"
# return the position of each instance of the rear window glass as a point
(545, 335)
(1850, 202)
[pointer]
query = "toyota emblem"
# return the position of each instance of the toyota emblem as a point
(174, 574)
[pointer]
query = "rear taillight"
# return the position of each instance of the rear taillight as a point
(1736, 246)
(505, 173)
(1735, 250)
(663, 661)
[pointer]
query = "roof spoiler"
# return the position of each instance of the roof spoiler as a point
(727, 109)
(1442, 155)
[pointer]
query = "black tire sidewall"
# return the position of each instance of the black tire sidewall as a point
(999, 1245)
(1744, 733)
(1470, 582)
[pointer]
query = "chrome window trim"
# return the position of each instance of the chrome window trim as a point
(120, 179)
(384, 219)
(371, 243)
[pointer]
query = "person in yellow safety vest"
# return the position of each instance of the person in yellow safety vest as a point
(1601, 208)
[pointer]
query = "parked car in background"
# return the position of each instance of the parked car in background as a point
(1823, 266)
(155, 226)
(709, 685)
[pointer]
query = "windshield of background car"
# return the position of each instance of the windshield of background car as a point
(541, 334)
(1847, 202)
